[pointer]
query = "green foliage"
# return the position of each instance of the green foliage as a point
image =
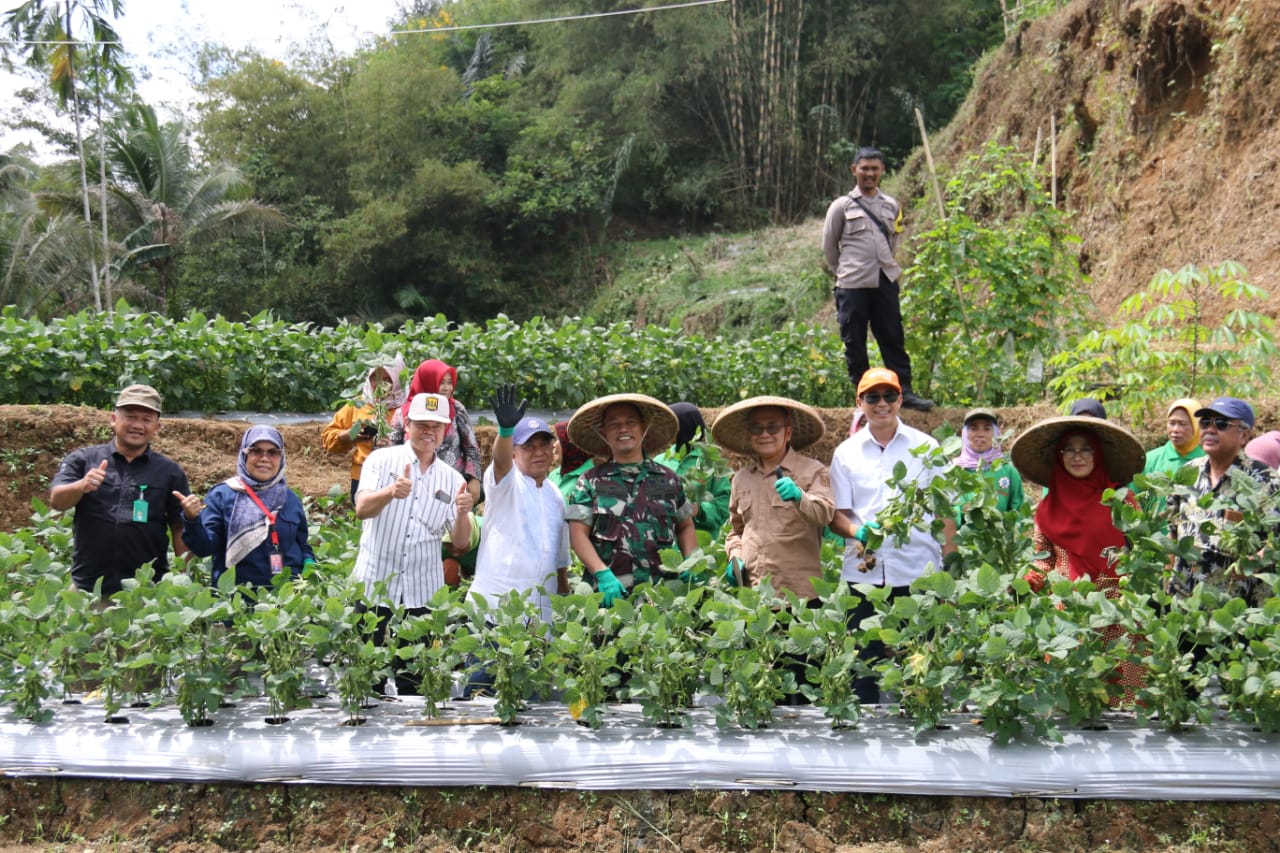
(972, 638)
(210, 364)
(744, 664)
(1170, 345)
(661, 639)
(995, 287)
(509, 641)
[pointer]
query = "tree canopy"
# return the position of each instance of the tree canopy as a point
(472, 171)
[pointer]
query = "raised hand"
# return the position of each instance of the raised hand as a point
(191, 504)
(403, 486)
(91, 481)
(505, 410)
(463, 500)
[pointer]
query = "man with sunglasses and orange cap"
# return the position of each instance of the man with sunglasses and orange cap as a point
(1226, 426)
(860, 470)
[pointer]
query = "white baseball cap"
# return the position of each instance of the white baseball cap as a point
(432, 408)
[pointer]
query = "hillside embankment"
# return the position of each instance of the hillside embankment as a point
(1167, 140)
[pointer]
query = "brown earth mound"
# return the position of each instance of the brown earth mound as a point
(34, 439)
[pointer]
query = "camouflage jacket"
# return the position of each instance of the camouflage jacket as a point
(633, 510)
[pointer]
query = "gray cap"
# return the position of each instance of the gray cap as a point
(989, 414)
(143, 396)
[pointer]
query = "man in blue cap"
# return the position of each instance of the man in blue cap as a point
(525, 544)
(1226, 425)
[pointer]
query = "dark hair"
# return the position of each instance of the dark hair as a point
(868, 154)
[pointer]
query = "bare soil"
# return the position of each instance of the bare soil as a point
(68, 814)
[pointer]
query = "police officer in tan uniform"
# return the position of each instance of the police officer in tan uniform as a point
(859, 240)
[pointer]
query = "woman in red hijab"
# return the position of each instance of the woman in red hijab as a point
(1080, 458)
(459, 448)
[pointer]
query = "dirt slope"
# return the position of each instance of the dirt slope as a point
(1167, 136)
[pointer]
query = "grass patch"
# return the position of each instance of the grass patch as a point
(738, 285)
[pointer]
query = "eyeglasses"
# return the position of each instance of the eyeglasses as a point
(772, 429)
(1218, 423)
(270, 452)
(1077, 452)
(874, 398)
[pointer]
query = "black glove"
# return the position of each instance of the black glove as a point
(369, 430)
(505, 410)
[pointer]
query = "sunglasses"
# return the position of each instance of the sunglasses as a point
(1217, 423)
(270, 453)
(772, 429)
(874, 397)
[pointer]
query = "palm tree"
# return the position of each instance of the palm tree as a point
(162, 202)
(42, 256)
(46, 32)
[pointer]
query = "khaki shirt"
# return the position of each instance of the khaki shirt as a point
(855, 247)
(778, 538)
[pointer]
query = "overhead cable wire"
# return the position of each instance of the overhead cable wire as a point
(582, 17)
(457, 27)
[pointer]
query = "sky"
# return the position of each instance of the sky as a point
(159, 34)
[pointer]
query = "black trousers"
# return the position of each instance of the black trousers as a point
(877, 308)
(868, 687)
(406, 682)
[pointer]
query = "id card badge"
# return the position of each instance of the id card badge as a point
(140, 508)
(277, 563)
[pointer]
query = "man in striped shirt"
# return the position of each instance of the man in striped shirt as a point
(407, 500)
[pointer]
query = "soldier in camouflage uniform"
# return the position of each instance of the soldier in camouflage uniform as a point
(624, 511)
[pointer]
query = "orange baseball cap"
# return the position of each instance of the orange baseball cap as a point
(878, 376)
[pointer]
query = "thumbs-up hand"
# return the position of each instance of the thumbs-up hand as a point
(403, 486)
(191, 505)
(463, 500)
(91, 481)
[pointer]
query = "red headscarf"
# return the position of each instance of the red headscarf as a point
(571, 456)
(1073, 516)
(426, 380)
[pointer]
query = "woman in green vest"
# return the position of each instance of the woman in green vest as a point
(1183, 446)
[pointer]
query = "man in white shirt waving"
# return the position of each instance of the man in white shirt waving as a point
(525, 546)
(407, 499)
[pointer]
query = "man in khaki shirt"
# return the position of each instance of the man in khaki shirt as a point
(859, 238)
(780, 504)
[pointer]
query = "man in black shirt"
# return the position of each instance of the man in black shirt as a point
(123, 495)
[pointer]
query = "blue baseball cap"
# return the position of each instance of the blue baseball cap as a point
(529, 427)
(1229, 407)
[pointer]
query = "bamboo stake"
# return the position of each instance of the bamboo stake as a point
(933, 173)
(1035, 152)
(1053, 156)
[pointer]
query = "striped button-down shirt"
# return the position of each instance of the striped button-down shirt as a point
(401, 544)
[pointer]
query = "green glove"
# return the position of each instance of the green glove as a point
(692, 578)
(864, 532)
(733, 572)
(788, 490)
(609, 586)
